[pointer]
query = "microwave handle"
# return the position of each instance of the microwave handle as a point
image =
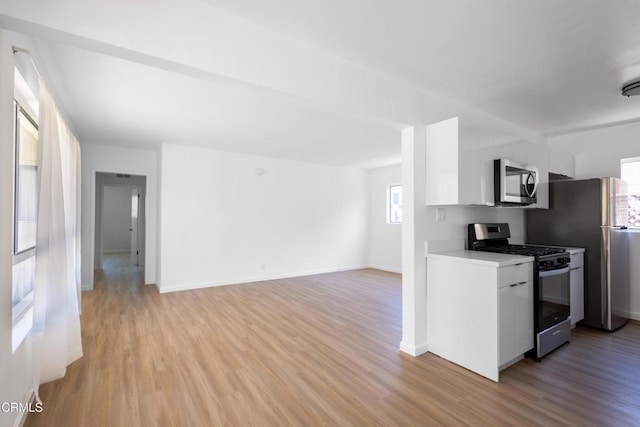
(535, 184)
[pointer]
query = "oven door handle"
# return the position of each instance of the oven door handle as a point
(557, 272)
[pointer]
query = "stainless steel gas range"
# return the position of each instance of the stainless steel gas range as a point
(551, 302)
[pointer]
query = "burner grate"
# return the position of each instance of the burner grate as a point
(527, 250)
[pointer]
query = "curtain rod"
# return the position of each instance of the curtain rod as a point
(26, 51)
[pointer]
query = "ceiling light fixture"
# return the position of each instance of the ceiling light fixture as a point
(631, 89)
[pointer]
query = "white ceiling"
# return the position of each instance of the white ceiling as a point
(114, 101)
(330, 81)
(546, 65)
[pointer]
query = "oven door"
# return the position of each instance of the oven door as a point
(553, 297)
(515, 184)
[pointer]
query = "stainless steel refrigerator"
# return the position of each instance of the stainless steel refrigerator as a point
(591, 214)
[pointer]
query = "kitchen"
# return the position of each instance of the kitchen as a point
(444, 275)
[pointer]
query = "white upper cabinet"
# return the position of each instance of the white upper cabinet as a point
(459, 160)
(561, 163)
(451, 164)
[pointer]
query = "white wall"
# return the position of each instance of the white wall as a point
(100, 158)
(116, 219)
(16, 369)
(385, 240)
(223, 223)
(597, 154)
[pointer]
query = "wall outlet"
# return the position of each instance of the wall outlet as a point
(441, 214)
(262, 266)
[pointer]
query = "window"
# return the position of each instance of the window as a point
(25, 209)
(26, 189)
(394, 204)
(630, 172)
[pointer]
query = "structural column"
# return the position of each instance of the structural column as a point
(414, 270)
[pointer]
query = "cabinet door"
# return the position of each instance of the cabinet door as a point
(515, 311)
(507, 306)
(515, 320)
(442, 163)
(525, 317)
(520, 152)
(576, 280)
(468, 174)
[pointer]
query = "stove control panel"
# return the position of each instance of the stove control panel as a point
(554, 263)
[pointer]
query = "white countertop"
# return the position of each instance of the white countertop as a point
(489, 259)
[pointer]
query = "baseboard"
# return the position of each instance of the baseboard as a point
(201, 285)
(116, 251)
(634, 316)
(86, 288)
(383, 268)
(413, 350)
(30, 398)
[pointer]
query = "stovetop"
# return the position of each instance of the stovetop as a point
(495, 238)
(527, 250)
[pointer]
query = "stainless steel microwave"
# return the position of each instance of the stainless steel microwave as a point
(514, 183)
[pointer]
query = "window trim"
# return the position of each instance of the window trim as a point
(630, 160)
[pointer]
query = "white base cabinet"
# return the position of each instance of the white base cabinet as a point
(576, 281)
(515, 312)
(479, 316)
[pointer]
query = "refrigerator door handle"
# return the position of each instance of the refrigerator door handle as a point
(605, 262)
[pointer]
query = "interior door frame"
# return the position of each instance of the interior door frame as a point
(92, 231)
(134, 228)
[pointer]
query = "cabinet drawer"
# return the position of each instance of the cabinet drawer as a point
(577, 260)
(515, 274)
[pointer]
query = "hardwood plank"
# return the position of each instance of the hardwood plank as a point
(316, 350)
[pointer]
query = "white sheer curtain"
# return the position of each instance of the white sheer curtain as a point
(56, 303)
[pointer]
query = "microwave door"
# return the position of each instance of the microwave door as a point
(517, 184)
(520, 184)
(513, 184)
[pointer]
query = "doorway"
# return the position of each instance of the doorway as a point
(120, 220)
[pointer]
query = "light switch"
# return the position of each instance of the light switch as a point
(441, 214)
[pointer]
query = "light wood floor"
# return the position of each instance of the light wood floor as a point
(318, 350)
